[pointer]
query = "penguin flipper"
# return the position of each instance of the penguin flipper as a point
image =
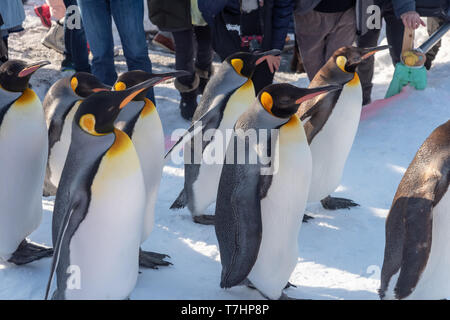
(238, 222)
(210, 120)
(314, 113)
(76, 212)
(416, 214)
(410, 220)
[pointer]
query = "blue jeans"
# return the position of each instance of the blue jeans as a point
(129, 18)
(75, 43)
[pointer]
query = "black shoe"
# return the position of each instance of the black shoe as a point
(428, 63)
(188, 104)
(204, 76)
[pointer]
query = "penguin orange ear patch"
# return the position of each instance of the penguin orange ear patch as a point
(267, 101)
(237, 64)
(120, 86)
(74, 83)
(87, 122)
(341, 61)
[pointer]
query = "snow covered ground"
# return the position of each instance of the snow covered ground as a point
(340, 253)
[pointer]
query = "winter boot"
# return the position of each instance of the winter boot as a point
(204, 76)
(54, 39)
(188, 102)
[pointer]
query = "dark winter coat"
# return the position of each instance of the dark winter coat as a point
(276, 17)
(170, 15)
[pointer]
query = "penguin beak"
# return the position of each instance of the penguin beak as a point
(314, 92)
(99, 89)
(30, 69)
(129, 94)
(368, 52)
(166, 76)
(261, 56)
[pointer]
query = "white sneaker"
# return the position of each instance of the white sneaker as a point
(54, 39)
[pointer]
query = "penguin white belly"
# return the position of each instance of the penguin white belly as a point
(332, 144)
(282, 211)
(434, 282)
(207, 183)
(105, 247)
(148, 139)
(24, 145)
(60, 149)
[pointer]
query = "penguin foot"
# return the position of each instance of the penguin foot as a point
(152, 260)
(284, 296)
(28, 252)
(289, 285)
(306, 218)
(204, 219)
(331, 203)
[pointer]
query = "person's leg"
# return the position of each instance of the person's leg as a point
(184, 60)
(3, 47)
(129, 18)
(432, 25)
(203, 62)
(343, 32)
(96, 15)
(75, 39)
(394, 33)
(366, 68)
(310, 31)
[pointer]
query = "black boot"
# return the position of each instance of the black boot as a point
(188, 104)
(204, 76)
(188, 93)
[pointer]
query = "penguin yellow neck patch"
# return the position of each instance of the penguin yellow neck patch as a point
(237, 64)
(267, 101)
(74, 83)
(27, 97)
(121, 144)
(120, 86)
(355, 81)
(149, 107)
(87, 123)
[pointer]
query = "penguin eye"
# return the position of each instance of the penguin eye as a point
(120, 86)
(87, 123)
(237, 64)
(74, 83)
(341, 61)
(267, 101)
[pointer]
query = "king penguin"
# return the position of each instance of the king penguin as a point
(259, 207)
(99, 206)
(417, 253)
(140, 120)
(60, 104)
(24, 146)
(331, 121)
(227, 96)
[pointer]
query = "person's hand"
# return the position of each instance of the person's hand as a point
(273, 62)
(411, 20)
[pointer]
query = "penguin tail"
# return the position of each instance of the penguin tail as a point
(180, 202)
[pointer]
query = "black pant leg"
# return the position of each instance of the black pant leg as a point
(394, 33)
(366, 68)
(184, 54)
(204, 47)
